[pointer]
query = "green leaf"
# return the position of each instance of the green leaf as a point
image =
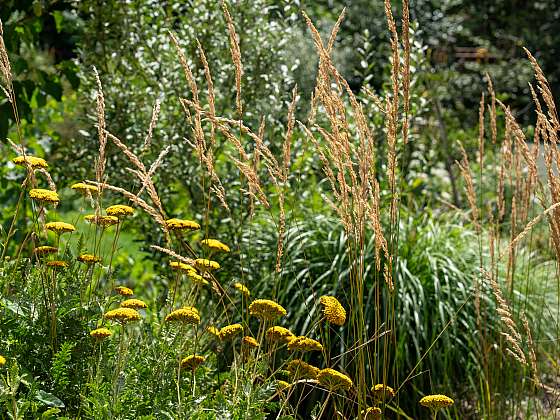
(48, 399)
(58, 19)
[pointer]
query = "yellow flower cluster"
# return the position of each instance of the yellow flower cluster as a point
(282, 385)
(242, 288)
(266, 309)
(2, 360)
(123, 315)
(436, 401)
(134, 304)
(119, 210)
(333, 311)
(334, 380)
(88, 258)
(60, 227)
(192, 361)
(187, 315)
(230, 331)
(44, 250)
(84, 188)
(214, 245)
(302, 370)
(31, 161)
(104, 221)
(382, 392)
(206, 265)
(177, 265)
(303, 343)
(181, 224)
(124, 291)
(57, 264)
(372, 413)
(249, 342)
(196, 278)
(100, 333)
(279, 334)
(214, 331)
(44, 196)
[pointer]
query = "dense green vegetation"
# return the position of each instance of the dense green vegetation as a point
(399, 159)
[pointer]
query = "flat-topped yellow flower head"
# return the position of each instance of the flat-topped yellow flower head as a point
(84, 188)
(44, 196)
(177, 265)
(266, 309)
(45, 250)
(301, 370)
(88, 259)
(196, 278)
(57, 264)
(119, 210)
(334, 380)
(303, 343)
(2, 361)
(382, 392)
(60, 227)
(100, 333)
(213, 331)
(206, 265)
(333, 311)
(240, 287)
(436, 401)
(372, 413)
(186, 315)
(134, 304)
(181, 224)
(192, 362)
(104, 221)
(249, 342)
(279, 334)
(214, 245)
(124, 291)
(230, 331)
(123, 315)
(31, 161)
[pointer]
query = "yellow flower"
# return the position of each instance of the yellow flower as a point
(280, 334)
(206, 265)
(188, 315)
(243, 289)
(266, 309)
(88, 258)
(303, 343)
(100, 333)
(181, 224)
(333, 380)
(282, 385)
(123, 315)
(102, 220)
(372, 413)
(436, 401)
(43, 195)
(302, 370)
(124, 291)
(2, 361)
(57, 264)
(214, 245)
(31, 161)
(332, 310)
(44, 250)
(119, 210)
(213, 330)
(60, 227)
(192, 361)
(381, 392)
(230, 331)
(177, 265)
(134, 304)
(196, 278)
(85, 188)
(249, 342)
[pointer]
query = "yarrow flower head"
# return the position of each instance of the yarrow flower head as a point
(266, 309)
(45, 250)
(436, 401)
(230, 331)
(242, 288)
(382, 392)
(84, 188)
(44, 196)
(60, 227)
(88, 258)
(181, 224)
(2, 360)
(134, 304)
(196, 278)
(302, 370)
(124, 291)
(57, 264)
(31, 161)
(333, 311)
(334, 380)
(249, 342)
(282, 385)
(119, 210)
(123, 315)
(279, 334)
(303, 343)
(206, 265)
(187, 315)
(101, 333)
(192, 362)
(213, 331)
(104, 221)
(177, 265)
(372, 413)
(214, 245)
